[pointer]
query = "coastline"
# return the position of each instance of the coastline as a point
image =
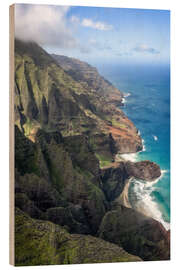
(87, 206)
(124, 200)
(146, 204)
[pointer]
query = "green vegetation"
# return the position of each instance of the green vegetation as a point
(28, 126)
(44, 243)
(104, 161)
(128, 228)
(118, 124)
(87, 174)
(63, 139)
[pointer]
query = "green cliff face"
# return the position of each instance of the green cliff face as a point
(89, 77)
(67, 132)
(49, 97)
(40, 242)
(51, 176)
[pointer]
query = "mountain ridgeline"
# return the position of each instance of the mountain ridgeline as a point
(89, 77)
(68, 130)
(48, 97)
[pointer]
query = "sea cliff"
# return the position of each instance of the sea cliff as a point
(68, 187)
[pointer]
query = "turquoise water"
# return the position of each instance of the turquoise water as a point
(148, 106)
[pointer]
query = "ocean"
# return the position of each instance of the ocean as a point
(147, 104)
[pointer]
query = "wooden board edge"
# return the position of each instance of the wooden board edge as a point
(11, 136)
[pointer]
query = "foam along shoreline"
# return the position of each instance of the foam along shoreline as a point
(142, 200)
(123, 100)
(125, 95)
(144, 147)
(131, 156)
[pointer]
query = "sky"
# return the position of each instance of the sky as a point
(97, 34)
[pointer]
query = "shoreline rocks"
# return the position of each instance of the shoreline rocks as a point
(115, 176)
(145, 170)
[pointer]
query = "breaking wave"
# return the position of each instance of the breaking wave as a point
(141, 199)
(130, 157)
(125, 95)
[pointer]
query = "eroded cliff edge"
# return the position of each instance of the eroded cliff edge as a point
(67, 132)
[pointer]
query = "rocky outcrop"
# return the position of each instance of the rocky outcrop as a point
(136, 233)
(145, 170)
(116, 174)
(40, 242)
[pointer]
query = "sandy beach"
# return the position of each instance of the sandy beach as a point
(123, 198)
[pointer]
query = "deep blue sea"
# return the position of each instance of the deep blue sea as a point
(148, 105)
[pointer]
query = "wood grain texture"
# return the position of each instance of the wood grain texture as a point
(11, 134)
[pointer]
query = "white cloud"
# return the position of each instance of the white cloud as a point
(92, 24)
(44, 24)
(96, 25)
(145, 48)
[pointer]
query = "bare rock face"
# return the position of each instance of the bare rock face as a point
(145, 170)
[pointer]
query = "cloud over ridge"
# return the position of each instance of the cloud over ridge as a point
(43, 24)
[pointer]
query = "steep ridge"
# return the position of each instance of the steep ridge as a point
(89, 77)
(49, 98)
(65, 133)
(48, 175)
